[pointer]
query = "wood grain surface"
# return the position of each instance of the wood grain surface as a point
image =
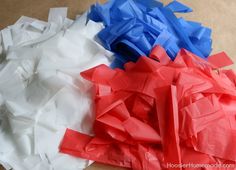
(220, 15)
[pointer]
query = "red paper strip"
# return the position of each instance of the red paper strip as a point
(220, 60)
(159, 53)
(153, 114)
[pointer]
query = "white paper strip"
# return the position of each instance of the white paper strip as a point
(6, 38)
(57, 15)
(24, 19)
(38, 25)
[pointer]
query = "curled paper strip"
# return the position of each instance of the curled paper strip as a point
(134, 27)
(155, 113)
(41, 90)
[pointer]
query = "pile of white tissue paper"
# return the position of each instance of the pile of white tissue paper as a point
(41, 90)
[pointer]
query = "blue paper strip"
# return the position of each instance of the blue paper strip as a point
(176, 6)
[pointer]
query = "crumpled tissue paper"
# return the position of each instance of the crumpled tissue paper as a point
(41, 90)
(134, 27)
(159, 112)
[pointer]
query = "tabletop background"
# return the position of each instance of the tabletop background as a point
(220, 15)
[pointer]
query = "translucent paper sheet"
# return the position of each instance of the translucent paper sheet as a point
(134, 27)
(158, 112)
(42, 92)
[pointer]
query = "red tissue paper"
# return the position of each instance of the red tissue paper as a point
(159, 113)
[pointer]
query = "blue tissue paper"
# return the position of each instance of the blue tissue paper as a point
(134, 27)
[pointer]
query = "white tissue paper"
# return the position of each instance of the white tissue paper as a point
(41, 90)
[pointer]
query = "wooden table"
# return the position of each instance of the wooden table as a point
(218, 15)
